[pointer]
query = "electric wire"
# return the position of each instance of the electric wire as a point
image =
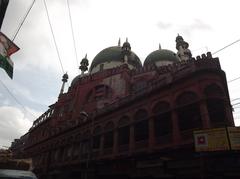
(237, 78)
(226, 46)
(235, 99)
(15, 99)
(235, 104)
(54, 39)
(73, 38)
(21, 24)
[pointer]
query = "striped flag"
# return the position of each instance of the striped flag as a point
(7, 48)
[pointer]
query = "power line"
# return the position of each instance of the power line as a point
(16, 100)
(24, 18)
(54, 39)
(235, 104)
(226, 46)
(73, 38)
(234, 79)
(235, 99)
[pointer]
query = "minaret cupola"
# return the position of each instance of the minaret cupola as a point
(84, 65)
(183, 52)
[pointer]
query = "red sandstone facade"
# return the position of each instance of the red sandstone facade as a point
(130, 123)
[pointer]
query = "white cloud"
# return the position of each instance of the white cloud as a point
(13, 124)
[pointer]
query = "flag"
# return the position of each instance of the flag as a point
(7, 48)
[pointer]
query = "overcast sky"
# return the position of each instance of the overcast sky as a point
(205, 25)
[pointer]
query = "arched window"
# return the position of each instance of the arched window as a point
(102, 92)
(123, 131)
(162, 119)
(108, 135)
(141, 125)
(188, 111)
(97, 137)
(216, 105)
(99, 92)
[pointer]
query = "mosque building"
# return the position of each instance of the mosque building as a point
(125, 119)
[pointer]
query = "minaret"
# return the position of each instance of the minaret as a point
(84, 65)
(64, 80)
(183, 52)
(126, 49)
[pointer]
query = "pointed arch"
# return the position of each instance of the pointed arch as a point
(213, 90)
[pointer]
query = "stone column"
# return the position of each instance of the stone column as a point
(115, 142)
(204, 114)
(175, 127)
(131, 139)
(151, 130)
(101, 144)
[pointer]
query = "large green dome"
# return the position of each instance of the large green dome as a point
(161, 55)
(116, 54)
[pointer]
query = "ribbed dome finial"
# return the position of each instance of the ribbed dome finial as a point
(119, 42)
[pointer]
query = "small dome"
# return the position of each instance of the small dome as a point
(115, 54)
(161, 56)
(77, 78)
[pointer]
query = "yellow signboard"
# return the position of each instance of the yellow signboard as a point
(211, 140)
(234, 137)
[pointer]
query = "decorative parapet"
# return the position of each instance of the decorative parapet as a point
(45, 116)
(167, 74)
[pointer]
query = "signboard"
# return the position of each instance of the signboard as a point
(234, 137)
(211, 140)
